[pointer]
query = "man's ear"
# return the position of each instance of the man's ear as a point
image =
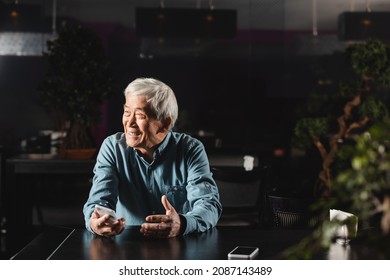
(166, 124)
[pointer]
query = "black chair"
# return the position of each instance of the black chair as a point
(291, 212)
(239, 195)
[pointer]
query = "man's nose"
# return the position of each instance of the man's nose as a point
(131, 120)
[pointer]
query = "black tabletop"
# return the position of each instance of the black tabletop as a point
(60, 243)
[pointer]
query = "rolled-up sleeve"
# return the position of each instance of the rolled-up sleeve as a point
(104, 189)
(202, 191)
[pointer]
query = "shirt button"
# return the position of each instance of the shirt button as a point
(150, 191)
(153, 212)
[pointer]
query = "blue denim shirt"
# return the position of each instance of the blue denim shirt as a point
(125, 182)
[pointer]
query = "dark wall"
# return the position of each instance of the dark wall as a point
(239, 89)
(21, 115)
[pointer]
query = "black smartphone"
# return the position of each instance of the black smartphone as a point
(243, 253)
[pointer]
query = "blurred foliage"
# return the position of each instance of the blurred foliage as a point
(364, 183)
(361, 187)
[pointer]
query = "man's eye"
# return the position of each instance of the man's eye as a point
(140, 116)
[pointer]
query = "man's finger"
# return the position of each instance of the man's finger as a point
(155, 230)
(158, 219)
(166, 204)
(155, 227)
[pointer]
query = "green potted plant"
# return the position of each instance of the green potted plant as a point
(354, 147)
(358, 103)
(76, 82)
(338, 109)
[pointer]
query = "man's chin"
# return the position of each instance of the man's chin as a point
(131, 144)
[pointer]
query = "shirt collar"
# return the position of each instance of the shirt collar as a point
(159, 151)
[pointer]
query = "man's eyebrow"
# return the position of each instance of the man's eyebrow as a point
(143, 109)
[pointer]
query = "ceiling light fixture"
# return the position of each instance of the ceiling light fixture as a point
(359, 26)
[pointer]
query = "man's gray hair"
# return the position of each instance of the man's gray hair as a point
(159, 96)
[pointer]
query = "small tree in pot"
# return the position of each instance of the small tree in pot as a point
(77, 81)
(358, 104)
(354, 147)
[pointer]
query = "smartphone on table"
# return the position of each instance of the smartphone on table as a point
(243, 253)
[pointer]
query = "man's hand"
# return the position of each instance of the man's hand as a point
(105, 225)
(162, 226)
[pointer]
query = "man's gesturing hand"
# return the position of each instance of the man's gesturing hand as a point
(105, 226)
(162, 226)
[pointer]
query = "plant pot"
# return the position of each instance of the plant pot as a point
(77, 153)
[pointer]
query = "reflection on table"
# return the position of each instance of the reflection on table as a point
(215, 244)
(131, 245)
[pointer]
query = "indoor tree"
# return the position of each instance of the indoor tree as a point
(356, 104)
(77, 81)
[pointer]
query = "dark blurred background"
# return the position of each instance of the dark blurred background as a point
(238, 90)
(241, 89)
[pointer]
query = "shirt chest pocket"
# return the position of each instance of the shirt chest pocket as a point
(177, 196)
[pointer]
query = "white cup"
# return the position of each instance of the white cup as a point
(249, 162)
(348, 230)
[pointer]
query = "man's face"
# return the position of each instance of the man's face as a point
(143, 132)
